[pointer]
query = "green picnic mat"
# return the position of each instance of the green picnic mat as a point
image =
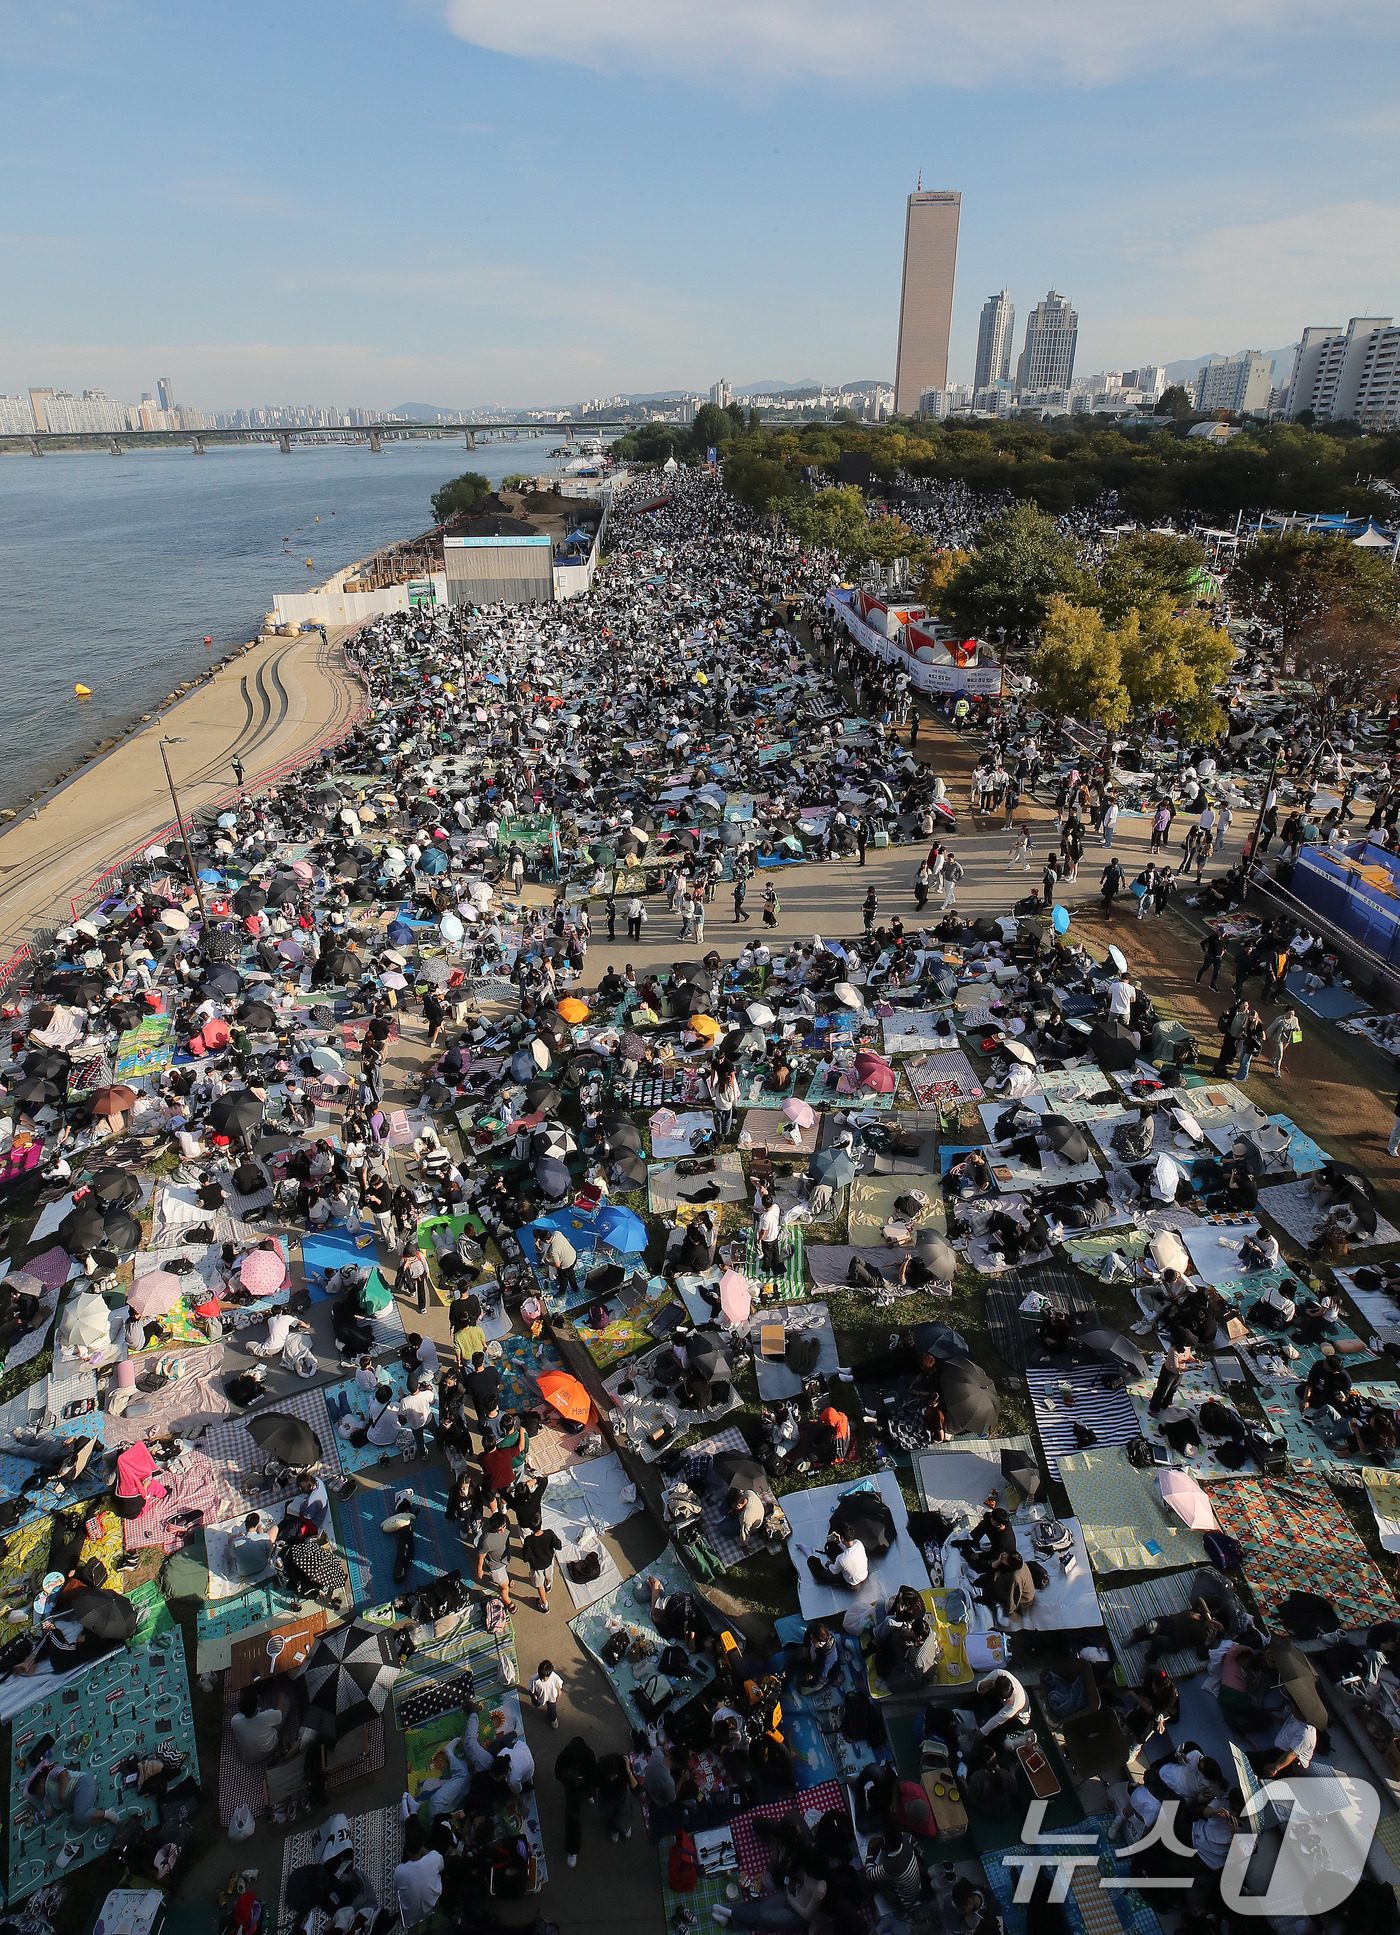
(154, 1614)
(1089, 1251)
(788, 1288)
(1126, 1526)
(872, 1204)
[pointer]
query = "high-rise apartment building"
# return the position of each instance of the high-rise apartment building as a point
(38, 401)
(165, 391)
(1052, 332)
(926, 295)
(1240, 384)
(1352, 374)
(994, 344)
(721, 393)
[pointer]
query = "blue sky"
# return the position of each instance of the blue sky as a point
(467, 201)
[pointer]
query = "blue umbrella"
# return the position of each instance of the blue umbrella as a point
(621, 1228)
(433, 861)
(1060, 920)
(400, 933)
(210, 878)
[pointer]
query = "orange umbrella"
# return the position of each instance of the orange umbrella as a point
(567, 1396)
(572, 1010)
(706, 1027)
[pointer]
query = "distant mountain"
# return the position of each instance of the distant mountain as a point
(1188, 368)
(771, 385)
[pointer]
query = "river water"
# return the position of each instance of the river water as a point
(113, 569)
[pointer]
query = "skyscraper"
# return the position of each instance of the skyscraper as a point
(166, 393)
(994, 335)
(926, 295)
(1047, 361)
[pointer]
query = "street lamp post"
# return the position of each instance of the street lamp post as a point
(180, 826)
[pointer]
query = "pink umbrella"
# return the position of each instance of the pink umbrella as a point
(797, 1111)
(735, 1296)
(262, 1271)
(1185, 1497)
(874, 1072)
(154, 1295)
(303, 871)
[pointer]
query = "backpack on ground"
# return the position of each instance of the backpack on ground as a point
(683, 1865)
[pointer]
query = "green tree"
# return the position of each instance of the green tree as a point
(464, 494)
(1077, 666)
(1316, 590)
(1173, 662)
(1147, 566)
(1174, 402)
(1020, 564)
(834, 520)
(712, 427)
(756, 481)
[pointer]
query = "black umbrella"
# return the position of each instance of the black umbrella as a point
(1115, 1348)
(82, 1229)
(1065, 1137)
(222, 944)
(257, 1015)
(632, 1168)
(936, 1254)
(288, 1438)
(48, 1064)
(1365, 1210)
(236, 1113)
(865, 1516)
(33, 1092)
(552, 1177)
(938, 1340)
(103, 1613)
(249, 900)
(348, 1678)
(970, 1402)
(114, 1188)
(1021, 1470)
(543, 1097)
(704, 1351)
(221, 979)
(1337, 1174)
(339, 964)
(737, 1468)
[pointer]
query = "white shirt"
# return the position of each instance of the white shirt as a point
(544, 1692)
(367, 1379)
(1015, 1704)
(416, 1407)
(1120, 998)
(522, 1766)
(279, 1329)
(419, 1885)
(769, 1224)
(1296, 1737)
(852, 1564)
(385, 1428)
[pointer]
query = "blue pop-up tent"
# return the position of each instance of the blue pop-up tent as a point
(1357, 889)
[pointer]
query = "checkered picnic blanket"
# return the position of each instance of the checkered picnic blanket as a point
(1295, 1536)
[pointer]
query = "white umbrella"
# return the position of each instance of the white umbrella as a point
(451, 928)
(848, 996)
(760, 1015)
(1118, 959)
(174, 920)
(1018, 1052)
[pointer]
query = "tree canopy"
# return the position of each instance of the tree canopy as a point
(1337, 606)
(1006, 585)
(464, 494)
(1077, 666)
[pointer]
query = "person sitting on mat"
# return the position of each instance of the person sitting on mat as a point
(842, 1563)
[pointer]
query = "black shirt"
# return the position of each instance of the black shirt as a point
(538, 1549)
(485, 1387)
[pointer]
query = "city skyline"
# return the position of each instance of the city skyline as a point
(1216, 204)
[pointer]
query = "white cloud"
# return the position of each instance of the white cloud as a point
(902, 42)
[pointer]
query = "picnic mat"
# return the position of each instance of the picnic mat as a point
(1217, 1261)
(437, 1548)
(1199, 1385)
(426, 1750)
(519, 1361)
(1383, 1495)
(1297, 1210)
(239, 1463)
(242, 1785)
(348, 1401)
(775, 1381)
(629, 1605)
(1126, 1526)
(941, 1080)
(192, 1484)
(1308, 1450)
(640, 1411)
(787, 1288)
(1014, 1336)
(829, 1262)
(872, 1205)
(770, 1129)
(377, 1839)
(122, 1704)
(626, 1330)
(1108, 1413)
(809, 1514)
(722, 1540)
(1125, 1608)
(666, 1191)
(1294, 1535)
(899, 1122)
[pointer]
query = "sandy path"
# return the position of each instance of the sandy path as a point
(264, 707)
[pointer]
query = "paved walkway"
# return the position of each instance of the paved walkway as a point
(264, 706)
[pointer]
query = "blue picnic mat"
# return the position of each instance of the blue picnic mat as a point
(330, 1250)
(438, 1550)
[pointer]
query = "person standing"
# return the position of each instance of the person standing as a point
(1279, 1034)
(697, 918)
(1393, 1146)
(576, 1771)
(768, 1225)
(610, 909)
(1174, 1364)
(770, 906)
(1232, 1026)
(741, 889)
(952, 874)
(724, 1092)
(636, 914)
(862, 838)
(1213, 952)
(921, 886)
(868, 909)
(1110, 886)
(1109, 821)
(1251, 1041)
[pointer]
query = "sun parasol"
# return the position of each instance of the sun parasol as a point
(566, 1395)
(262, 1272)
(1185, 1497)
(348, 1678)
(281, 1436)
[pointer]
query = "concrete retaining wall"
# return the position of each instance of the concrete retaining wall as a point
(331, 606)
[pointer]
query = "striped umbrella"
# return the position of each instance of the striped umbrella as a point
(348, 1678)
